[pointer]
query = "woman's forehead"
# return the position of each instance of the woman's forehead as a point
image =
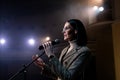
(67, 24)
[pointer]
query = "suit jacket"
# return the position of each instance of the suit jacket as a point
(71, 66)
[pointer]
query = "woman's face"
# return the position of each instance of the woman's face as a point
(69, 32)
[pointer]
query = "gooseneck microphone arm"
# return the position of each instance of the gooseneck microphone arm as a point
(23, 70)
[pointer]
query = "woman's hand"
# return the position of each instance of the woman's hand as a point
(48, 48)
(39, 62)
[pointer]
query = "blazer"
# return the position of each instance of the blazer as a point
(71, 66)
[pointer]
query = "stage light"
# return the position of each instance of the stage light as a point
(95, 7)
(31, 41)
(47, 38)
(2, 41)
(101, 9)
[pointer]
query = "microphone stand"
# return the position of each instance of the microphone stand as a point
(24, 69)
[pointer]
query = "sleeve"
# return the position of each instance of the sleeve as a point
(70, 73)
(47, 72)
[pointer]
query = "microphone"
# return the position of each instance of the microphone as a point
(56, 41)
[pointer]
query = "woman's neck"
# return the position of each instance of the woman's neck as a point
(73, 44)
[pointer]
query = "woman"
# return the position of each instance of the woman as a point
(74, 61)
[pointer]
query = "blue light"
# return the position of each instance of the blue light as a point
(2, 41)
(31, 41)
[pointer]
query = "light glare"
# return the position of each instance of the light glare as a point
(95, 7)
(47, 38)
(2, 41)
(31, 41)
(101, 9)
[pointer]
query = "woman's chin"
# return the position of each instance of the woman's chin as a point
(66, 39)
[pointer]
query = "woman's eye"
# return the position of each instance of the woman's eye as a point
(66, 28)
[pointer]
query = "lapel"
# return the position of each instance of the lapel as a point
(74, 55)
(67, 59)
(72, 52)
(63, 53)
(71, 56)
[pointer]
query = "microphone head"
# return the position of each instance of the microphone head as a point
(57, 41)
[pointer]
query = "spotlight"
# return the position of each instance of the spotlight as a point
(47, 38)
(101, 9)
(31, 41)
(95, 7)
(2, 41)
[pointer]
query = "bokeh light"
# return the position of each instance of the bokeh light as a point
(31, 41)
(2, 41)
(95, 7)
(47, 38)
(101, 9)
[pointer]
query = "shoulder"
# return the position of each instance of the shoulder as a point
(83, 49)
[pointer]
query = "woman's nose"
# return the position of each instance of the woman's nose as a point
(64, 30)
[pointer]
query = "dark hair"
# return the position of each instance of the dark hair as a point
(81, 35)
